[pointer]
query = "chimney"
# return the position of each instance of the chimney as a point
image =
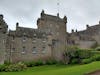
(1, 16)
(57, 14)
(87, 26)
(99, 22)
(42, 13)
(17, 24)
(65, 19)
(72, 30)
(76, 30)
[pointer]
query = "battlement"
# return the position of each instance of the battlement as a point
(47, 17)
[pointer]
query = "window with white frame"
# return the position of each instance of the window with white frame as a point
(43, 50)
(34, 50)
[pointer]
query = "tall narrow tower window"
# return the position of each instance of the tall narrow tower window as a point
(24, 50)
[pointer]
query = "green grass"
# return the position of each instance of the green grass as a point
(58, 70)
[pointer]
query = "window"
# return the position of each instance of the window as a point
(44, 40)
(34, 40)
(13, 49)
(50, 25)
(43, 50)
(57, 33)
(13, 38)
(34, 51)
(3, 41)
(34, 35)
(49, 30)
(43, 35)
(24, 39)
(57, 26)
(23, 50)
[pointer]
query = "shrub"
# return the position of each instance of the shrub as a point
(15, 67)
(86, 61)
(74, 61)
(84, 54)
(51, 62)
(38, 63)
(95, 57)
(2, 67)
(29, 64)
(98, 49)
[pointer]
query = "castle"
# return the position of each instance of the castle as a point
(49, 40)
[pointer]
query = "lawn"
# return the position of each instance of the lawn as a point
(58, 70)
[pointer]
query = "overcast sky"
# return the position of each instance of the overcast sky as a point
(26, 12)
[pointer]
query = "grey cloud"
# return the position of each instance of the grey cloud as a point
(79, 12)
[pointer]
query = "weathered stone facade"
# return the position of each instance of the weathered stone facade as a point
(86, 38)
(49, 40)
(28, 44)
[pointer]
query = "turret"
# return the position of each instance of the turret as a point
(17, 24)
(3, 25)
(72, 30)
(42, 13)
(65, 19)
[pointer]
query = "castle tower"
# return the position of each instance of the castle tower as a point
(3, 35)
(55, 26)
